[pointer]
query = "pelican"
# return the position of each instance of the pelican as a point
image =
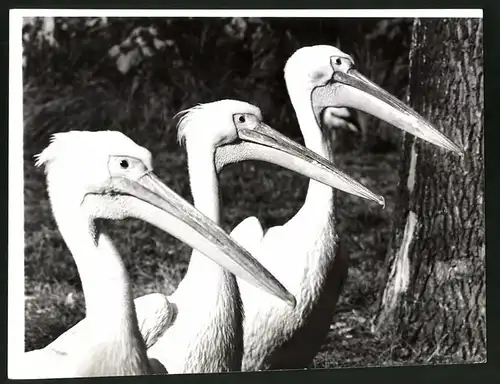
(105, 175)
(304, 252)
(212, 335)
(207, 327)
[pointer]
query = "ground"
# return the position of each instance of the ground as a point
(157, 261)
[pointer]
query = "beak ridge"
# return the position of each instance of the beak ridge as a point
(354, 90)
(304, 161)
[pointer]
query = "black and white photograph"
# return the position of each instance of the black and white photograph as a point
(213, 191)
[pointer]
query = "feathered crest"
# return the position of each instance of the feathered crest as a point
(186, 117)
(49, 153)
(201, 113)
(64, 143)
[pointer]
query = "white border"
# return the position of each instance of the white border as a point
(16, 319)
(15, 316)
(337, 13)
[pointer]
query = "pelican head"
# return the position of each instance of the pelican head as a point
(106, 175)
(344, 126)
(233, 131)
(342, 118)
(95, 174)
(329, 78)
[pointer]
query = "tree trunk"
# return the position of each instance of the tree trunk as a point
(434, 298)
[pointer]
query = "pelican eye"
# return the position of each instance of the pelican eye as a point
(245, 120)
(124, 164)
(338, 61)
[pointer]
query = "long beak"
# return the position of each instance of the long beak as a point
(276, 148)
(166, 210)
(353, 90)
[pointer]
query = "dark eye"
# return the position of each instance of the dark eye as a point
(124, 164)
(338, 61)
(241, 119)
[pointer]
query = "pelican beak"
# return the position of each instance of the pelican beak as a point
(267, 144)
(352, 89)
(163, 208)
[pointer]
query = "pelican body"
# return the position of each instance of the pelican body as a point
(304, 253)
(105, 175)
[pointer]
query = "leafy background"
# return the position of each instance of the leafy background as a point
(133, 75)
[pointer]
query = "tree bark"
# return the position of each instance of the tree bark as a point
(433, 298)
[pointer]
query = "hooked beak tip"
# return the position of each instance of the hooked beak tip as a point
(460, 151)
(455, 148)
(381, 201)
(373, 197)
